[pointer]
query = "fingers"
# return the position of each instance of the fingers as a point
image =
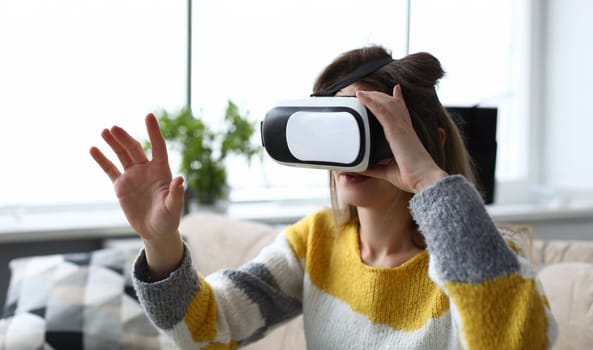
(119, 150)
(108, 167)
(375, 101)
(159, 148)
(380, 103)
(128, 150)
(391, 111)
(132, 147)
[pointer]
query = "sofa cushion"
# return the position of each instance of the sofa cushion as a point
(569, 288)
(555, 251)
(216, 241)
(76, 301)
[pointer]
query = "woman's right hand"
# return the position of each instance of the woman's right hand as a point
(412, 169)
(151, 199)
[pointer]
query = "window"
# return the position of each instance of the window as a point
(262, 51)
(70, 68)
(277, 54)
(483, 48)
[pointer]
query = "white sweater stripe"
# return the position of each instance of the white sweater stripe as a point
(330, 324)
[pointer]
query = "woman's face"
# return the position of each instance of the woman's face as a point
(358, 189)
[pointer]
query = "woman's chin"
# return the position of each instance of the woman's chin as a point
(359, 202)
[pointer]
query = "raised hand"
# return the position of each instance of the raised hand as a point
(151, 199)
(412, 168)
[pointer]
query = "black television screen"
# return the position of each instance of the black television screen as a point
(478, 128)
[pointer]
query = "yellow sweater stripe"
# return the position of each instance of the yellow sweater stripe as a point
(501, 324)
(200, 316)
(413, 298)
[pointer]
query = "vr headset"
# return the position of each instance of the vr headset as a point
(336, 133)
(327, 132)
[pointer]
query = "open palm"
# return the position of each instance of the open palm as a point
(150, 198)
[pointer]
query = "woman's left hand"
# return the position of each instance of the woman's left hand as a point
(412, 169)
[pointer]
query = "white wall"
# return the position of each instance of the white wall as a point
(567, 99)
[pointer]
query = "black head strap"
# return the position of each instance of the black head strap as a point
(357, 74)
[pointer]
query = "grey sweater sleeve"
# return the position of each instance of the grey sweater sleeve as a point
(231, 306)
(165, 301)
(463, 242)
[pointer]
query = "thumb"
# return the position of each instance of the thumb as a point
(397, 93)
(174, 200)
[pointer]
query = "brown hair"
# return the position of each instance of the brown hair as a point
(417, 74)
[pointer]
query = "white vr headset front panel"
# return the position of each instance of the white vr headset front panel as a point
(328, 137)
(322, 132)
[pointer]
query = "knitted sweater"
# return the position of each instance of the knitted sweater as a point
(467, 290)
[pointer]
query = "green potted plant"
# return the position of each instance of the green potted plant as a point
(204, 150)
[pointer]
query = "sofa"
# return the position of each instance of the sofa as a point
(85, 301)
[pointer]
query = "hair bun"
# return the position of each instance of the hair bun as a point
(419, 71)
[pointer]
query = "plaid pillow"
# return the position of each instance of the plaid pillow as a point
(76, 301)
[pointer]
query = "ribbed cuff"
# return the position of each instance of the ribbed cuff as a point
(461, 238)
(166, 301)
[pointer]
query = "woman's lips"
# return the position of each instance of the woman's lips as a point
(353, 177)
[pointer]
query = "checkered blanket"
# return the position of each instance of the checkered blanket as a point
(76, 301)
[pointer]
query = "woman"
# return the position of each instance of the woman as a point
(409, 260)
